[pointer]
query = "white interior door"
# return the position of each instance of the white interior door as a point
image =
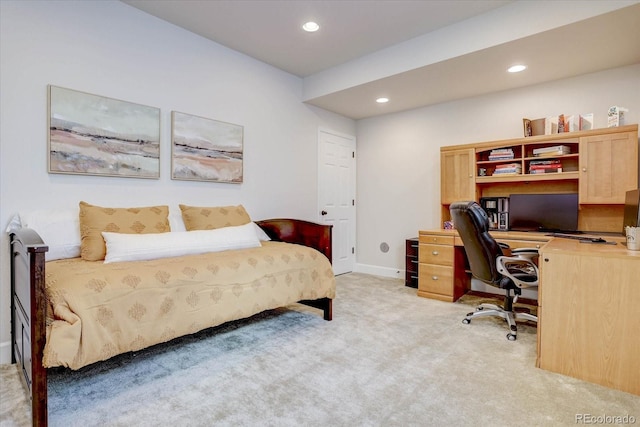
(337, 194)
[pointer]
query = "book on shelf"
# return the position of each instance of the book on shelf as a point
(501, 154)
(508, 166)
(551, 154)
(545, 170)
(508, 169)
(507, 173)
(552, 151)
(545, 166)
(545, 162)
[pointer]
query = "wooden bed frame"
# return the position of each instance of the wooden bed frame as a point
(28, 299)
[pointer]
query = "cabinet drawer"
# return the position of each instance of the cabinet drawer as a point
(436, 254)
(515, 244)
(412, 247)
(436, 239)
(411, 279)
(411, 265)
(436, 279)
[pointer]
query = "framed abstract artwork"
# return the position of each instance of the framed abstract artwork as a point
(205, 150)
(95, 135)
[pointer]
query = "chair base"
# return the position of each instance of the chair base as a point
(510, 316)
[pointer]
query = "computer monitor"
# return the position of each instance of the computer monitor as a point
(631, 210)
(543, 212)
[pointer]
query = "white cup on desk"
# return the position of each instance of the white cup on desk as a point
(633, 238)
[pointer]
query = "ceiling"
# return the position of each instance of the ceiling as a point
(353, 31)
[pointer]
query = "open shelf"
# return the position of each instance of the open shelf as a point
(527, 177)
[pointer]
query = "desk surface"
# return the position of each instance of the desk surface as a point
(556, 243)
(574, 247)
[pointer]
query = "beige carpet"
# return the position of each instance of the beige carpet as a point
(389, 358)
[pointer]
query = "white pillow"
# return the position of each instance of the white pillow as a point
(175, 221)
(58, 228)
(137, 247)
(262, 235)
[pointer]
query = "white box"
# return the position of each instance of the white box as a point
(586, 121)
(615, 116)
(551, 125)
(572, 123)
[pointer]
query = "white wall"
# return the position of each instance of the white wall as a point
(398, 164)
(111, 49)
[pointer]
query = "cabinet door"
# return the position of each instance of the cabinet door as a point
(608, 167)
(457, 172)
(589, 317)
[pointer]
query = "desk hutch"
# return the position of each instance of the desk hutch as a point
(601, 166)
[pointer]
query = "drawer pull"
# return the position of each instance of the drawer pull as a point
(435, 252)
(434, 277)
(414, 261)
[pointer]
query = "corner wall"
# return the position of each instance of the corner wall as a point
(111, 49)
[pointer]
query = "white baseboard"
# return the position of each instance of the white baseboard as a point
(379, 271)
(5, 352)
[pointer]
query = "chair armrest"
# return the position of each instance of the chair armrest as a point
(514, 267)
(524, 250)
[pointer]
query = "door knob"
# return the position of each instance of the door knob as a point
(323, 213)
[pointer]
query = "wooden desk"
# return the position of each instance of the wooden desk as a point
(588, 314)
(443, 265)
(588, 301)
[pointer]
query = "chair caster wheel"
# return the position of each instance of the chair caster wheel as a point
(479, 308)
(466, 321)
(511, 337)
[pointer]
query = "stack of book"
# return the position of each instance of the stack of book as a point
(545, 166)
(501, 154)
(557, 150)
(508, 169)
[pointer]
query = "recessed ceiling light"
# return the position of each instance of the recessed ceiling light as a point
(311, 27)
(516, 68)
(382, 100)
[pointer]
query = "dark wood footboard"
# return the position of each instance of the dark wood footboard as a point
(28, 317)
(317, 236)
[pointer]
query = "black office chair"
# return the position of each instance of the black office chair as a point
(495, 264)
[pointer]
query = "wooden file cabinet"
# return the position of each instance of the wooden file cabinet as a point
(437, 276)
(411, 263)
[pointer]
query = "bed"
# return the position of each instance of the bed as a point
(73, 312)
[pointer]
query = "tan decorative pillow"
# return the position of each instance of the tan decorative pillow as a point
(96, 219)
(209, 218)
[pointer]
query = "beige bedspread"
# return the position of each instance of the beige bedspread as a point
(98, 310)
